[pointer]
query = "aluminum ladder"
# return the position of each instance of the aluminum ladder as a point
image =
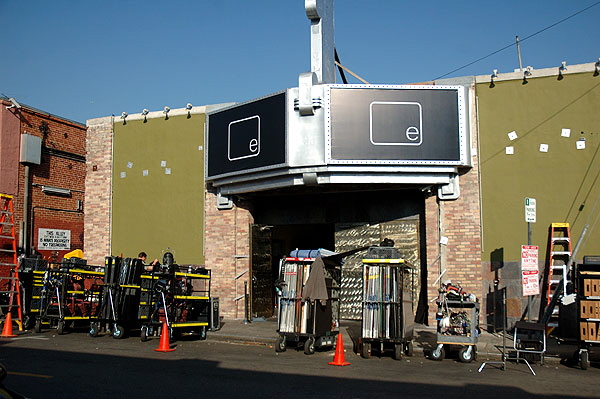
(560, 252)
(10, 289)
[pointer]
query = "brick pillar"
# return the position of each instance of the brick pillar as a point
(98, 189)
(227, 254)
(460, 222)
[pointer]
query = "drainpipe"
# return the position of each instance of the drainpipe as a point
(24, 238)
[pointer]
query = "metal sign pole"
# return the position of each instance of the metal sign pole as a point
(529, 297)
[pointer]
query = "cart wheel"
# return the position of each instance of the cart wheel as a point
(365, 350)
(144, 333)
(398, 350)
(29, 322)
(118, 332)
(584, 360)
(38, 326)
(467, 354)
(60, 328)
(437, 353)
(280, 345)
(94, 327)
(409, 349)
(309, 346)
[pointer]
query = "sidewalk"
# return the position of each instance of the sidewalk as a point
(264, 332)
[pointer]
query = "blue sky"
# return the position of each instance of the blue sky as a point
(94, 58)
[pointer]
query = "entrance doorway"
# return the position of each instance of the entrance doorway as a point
(271, 243)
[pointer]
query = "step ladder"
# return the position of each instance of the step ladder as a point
(10, 290)
(560, 251)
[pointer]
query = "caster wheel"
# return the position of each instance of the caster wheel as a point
(584, 360)
(118, 332)
(309, 346)
(60, 328)
(144, 334)
(365, 351)
(409, 349)
(94, 329)
(280, 346)
(398, 351)
(467, 354)
(38, 326)
(437, 353)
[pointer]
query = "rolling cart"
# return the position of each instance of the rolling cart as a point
(178, 296)
(387, 314)
(68, 295)
(31, 275)
(308, 301)
(457, 324)
(120, 297)
(588, 298)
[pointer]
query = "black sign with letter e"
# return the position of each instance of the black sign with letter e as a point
(405, 125)
(247, 136)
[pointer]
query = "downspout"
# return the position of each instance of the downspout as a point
(24, 239)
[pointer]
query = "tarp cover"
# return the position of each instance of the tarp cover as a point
(315, 288)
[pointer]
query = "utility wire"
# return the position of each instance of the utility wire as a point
(522, 40)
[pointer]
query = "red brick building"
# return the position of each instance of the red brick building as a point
(42, 159)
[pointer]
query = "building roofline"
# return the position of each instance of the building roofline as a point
(34, 110)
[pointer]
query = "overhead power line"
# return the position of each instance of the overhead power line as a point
(522, 40)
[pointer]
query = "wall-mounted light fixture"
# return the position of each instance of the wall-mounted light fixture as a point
(166, 112)
(189, 109)
(14, 104)
(493, 76)
(144, 113)
(56, 190)
(124, 117)
(527, 73)
(561, 69)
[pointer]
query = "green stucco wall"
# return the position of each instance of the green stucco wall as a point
(564, 180)
(156, 210)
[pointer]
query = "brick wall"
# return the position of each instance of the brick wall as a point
(63, 166)
(227, 247)
(98, 189)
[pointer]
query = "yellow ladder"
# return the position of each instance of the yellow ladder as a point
(560, 252)
(9, 273)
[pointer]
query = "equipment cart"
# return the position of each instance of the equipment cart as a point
(120, 297)
(457, 325)
(387, 311)
(308, 300)
(68, 295)
(178, 296)
(588, 298)
(31, 275)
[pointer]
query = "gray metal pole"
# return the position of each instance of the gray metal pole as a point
(529, 297)
(322, 59)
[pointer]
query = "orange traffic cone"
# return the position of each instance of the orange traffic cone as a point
(339, 359)
(7, 329)
(164, 345)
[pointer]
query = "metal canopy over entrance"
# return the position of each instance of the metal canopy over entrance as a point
(357, 134)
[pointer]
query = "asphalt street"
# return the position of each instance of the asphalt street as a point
(76, 365)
